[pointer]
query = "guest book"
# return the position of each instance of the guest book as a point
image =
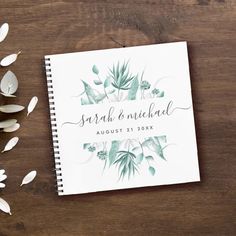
(122, 118)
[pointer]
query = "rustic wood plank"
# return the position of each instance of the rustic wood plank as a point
(46, 27)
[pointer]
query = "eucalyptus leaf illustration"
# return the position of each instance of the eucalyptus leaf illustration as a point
(126, 162)
(149, 158)
(97, 82)
(9, 84)
(10, 144)
(4, 206)
(29, 177)
(32, 104)
(11, 128)
(95, 70)
(139, 158)
(107, 82)
(11, 108)
(152, 170)
(3, 31)
(161, 94)
(86, 145)
(7, 123)
(113, 151)
(8, 60)
(133, 89)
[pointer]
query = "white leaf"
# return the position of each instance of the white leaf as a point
(12, 128)
(3, 31)
(8, 95)
(29, 177)
(11, 144)
(3, 177)
(9, 83)
(8, 60)
(4, 206)
(32, 104)
(12, 108)
(2, 172)
(2, 185)
(7, 123)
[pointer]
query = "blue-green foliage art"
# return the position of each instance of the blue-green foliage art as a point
(120, 84)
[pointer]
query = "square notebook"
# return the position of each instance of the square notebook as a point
(122, 118)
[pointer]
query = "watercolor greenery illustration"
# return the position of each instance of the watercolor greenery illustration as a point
(120, 84)
(127, 155)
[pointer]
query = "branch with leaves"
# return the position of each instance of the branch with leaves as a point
(127, 158)
(118, 84)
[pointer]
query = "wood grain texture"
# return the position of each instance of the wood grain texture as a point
(46, 27)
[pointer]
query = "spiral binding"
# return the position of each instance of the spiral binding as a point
(54, 126)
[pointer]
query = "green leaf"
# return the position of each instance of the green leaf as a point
(133, 89)
(95, 70)
(113, 151)
(139, 159)
(161, 94)
(154, 145)
(152, 170)
(158, 148)
(149, 158)
(161, 138)
(89, 92)
(86, 145)
(97, 82)
(148, 142)
(100, 97)
(126, 164)
(85, 101)
(121, 76)
(107, 82)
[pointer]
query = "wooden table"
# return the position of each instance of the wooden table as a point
(46, 27)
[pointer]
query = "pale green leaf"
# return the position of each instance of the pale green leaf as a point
(133, 89)
(95, 70)
(107, 82)
(139, 158)
(152, 170)
(149, 158)
(113, 151)
(97, 82)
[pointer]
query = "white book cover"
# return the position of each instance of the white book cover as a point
(122, 118)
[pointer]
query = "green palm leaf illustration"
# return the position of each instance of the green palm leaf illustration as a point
(126, 164)
(121, 77)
